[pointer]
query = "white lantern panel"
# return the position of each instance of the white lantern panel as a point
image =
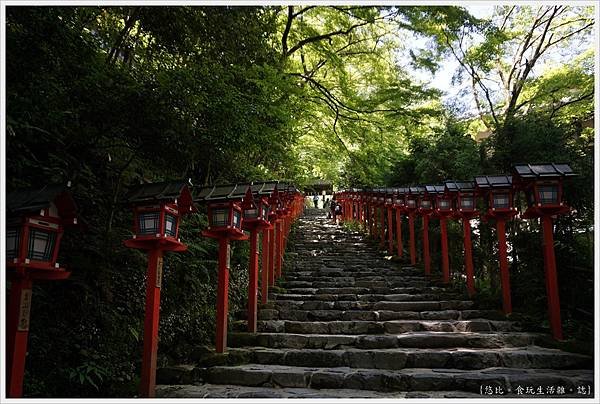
(170, 225)
(41, 245)
(501, 201)
(548, 194)
(220, 217)
(13, 236)
(237, 219)
(148, 223)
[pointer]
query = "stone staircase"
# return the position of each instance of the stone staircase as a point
(347, 322)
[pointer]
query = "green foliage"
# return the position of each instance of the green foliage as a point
(108, 96)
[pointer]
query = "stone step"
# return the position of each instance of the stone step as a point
(427, 339)
(413, 379)
(393, 297)
(266, 391)
(529, 357)
(330, 302)
(377, 327)
(349, 283)
(341, 275)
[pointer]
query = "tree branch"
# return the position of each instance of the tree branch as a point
(317, 38)
(564, 104)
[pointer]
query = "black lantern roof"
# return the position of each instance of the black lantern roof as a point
(421, 190)
(24, 201)
(222, 192)
(163, 191)
(460, 186)
(435, 189)
(493, 181)
(269, 187)
(403, 190)
(413, 190)
(543, 170)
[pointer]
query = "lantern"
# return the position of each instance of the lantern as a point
(399, 198)
(426, 197)
(224, 210)
(36, 219)
(35, 223)
(443, 202)
(542, 184)
(224, 224)
(412, 198)
(157, 210)
(498, 192)
(443, 209)
(463, 195)
(255, 211)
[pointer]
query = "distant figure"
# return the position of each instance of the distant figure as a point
(316, 201)
(338, 212)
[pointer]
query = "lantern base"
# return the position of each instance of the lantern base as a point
(507, 215)
(464, 215)
(258, 225)
(232, 234)
(159, 243)
(52, 274)
(535, 211)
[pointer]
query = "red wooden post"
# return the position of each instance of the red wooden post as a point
(279, 248)
(551, 278)
(265, 267)
(390, 231)
(272, 236)
(504, 273)
(153, 285)
(426, 258)
(222, 295)
(17, 331)
(399, 232)
(444, 237)
(468, 256)
(382, 228)
(411, 233)
(253, 281)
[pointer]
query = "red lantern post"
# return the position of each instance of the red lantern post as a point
(36, 219)
(498, 192)
(425, 210)
(224, 224)
(255, 213)
(542, 184)
(381, 223)
(464, 201)
(400, 209)
(389, 205)
(443, 209)
(411, 208)
(372, 201)
(157, 208)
